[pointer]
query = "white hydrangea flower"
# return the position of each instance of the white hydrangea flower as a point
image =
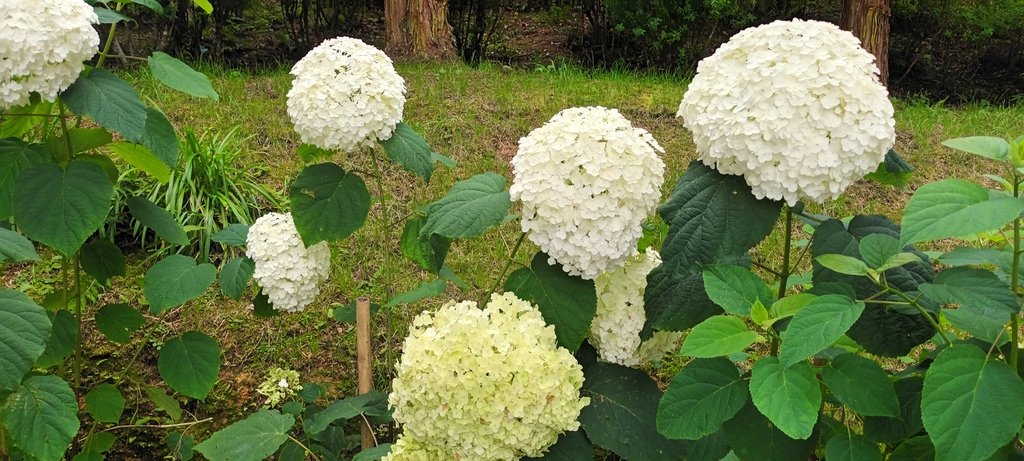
(615, 330)
(486, 384)
(587, 180)
(289, 273)
(795, 107)
(43, 47)
(279, 385)
(408, 448)
(346, 94)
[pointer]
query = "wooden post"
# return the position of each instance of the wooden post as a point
(364, 363)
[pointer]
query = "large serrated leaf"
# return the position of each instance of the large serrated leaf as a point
(159, 136)
(373, 403)
(62, 207)
(102, 260)
(328, 203)
(142, 158)
(971, 406)
(63, 337)
(407, 148)
(712, 218)
(852, 447)
(718, 336)
(567, 302)
(883, 429)
(232, 235)
(157, 218)
(817, 325)
(118, 321)
(955, 208)
(15, 247)
(754, 438)
(176, 280)
(251, 439)
(422, 291)
(984, 146)
(180, 76)
(190, 364)
(24, 330)
(862, 385)
(41, 417)
(235, 276)
(735, 288)
(105, 403)
(16, 156)
(788, 396)
(428, 252)
(469, 208)
(705, 394)
(571, 446)
(109, 100)
(985, 303)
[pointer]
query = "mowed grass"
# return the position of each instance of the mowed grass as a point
(476, 116)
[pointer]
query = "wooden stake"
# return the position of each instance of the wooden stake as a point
(364, 363)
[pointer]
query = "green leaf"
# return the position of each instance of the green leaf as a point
(180, 76)
(754, 438)
(151, 4)
(971, 288)
(427, 252)
(470, 208)
(914, 449)
(622, 411)
(102, 260)
(407, 148)
(852, 447)
(15, 157)
(78, 140)
(108, 16)
(105, 403)
(373, 454)
(15, 247)
(176, 280)
(261, 306)
(790, 305)
(571, 446)
(888, 430)
(567, 302)
(328, 203)
(61, 208)
(41, 417)
(986, 324)
(877, 249)
(444, 160)
(985, 146)
(118, 321)
(205, 5)
(180, 446)
(164, 402)
(843, 264)
(718, 336)
(99, 442)
(251, 439)
(735, 288)
(310, 153)
(140, 157)
(373, 403)
(423, 290)
(819, 324)
(160, 220)
(233, 235)
(103, 162)
(971, 406)
(347, 313)
(190, 364)
(16, 127)
(964, 256)
(109, 101)
(235, 276)
(158, 135)
(63, 337)
(24, 330)
(712, 218)
(788, 396)
(955, 208)
(705, 394)
(893, 171)
(862, 385)
(899, 260)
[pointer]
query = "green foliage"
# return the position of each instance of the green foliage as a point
(176, 280)
(718, 336)
(178, 75)
(328, 203)
(469, 208)
(235, 276)
(567, 302)
(25, 328)
(407, 148)
(862, 385)
(105, 403)
(955, 208)
(62, 207)
(40, 417)
(190, 364)
(251, 439)
(705, 394)
(118, 321)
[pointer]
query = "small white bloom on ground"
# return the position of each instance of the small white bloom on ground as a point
(289, 273)
(795, 107)
(345, 94)
(485, 384)
(280, 385)
(587, 179)
(615, 330)
(43, 47)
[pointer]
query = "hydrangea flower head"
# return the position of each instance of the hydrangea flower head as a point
(587, 179)
(795, 107)
(345, 94)
(279, 385)
(289, 273)
(486, 384)
(615, 330)
(43, 47)
(408, 448)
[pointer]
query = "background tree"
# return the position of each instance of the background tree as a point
(869, 21)
(418, 28)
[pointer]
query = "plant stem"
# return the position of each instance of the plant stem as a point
(504, 270)
(78, 320)
(1014, 279)
(110, 40)
(924, 312)
(9, 114)
(784, 271)
(385, 269)
(313, 455)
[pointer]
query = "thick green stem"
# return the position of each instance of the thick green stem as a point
(1014, 279)
(784, 271)
(110, 39)
(78, 320)
(924, 312)
(504, 270)
(385, 269)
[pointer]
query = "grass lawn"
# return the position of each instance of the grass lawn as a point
(476, 116)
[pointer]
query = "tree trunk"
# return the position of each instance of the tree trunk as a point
(418, 28)
(869, 21)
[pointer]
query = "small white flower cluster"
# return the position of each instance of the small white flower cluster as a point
(587, 180)
(43, 47)
(289, 272)
(346, 94)
(615, 330)
(485, 384)
(279, 385)
(795, 107)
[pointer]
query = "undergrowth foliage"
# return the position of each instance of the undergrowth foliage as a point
(781, 364)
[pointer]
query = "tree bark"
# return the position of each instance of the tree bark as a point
(868, 20)
(418, 28)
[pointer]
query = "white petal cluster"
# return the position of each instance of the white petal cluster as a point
(587, 180)
(43, 46)
(289, 273)
(795, 107)
(279, 385)
(615, 330)
(346, 94)
(485, 384)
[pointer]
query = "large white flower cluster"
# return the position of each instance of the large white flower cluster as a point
(587, 180)
(289, 273)
(43, 47)
(615, 330)
(795, 107)
(485, 384)
(346, 94)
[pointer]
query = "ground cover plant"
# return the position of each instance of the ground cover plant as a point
(603, 281)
